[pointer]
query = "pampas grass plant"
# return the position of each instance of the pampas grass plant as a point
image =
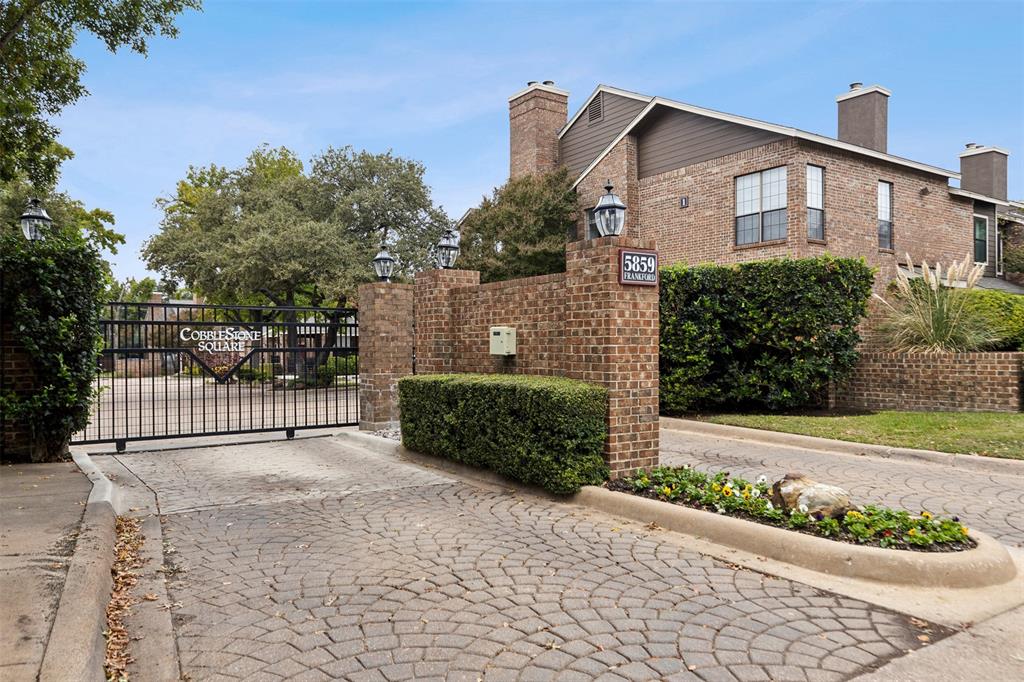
(931, 314)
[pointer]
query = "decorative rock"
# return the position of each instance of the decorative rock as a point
(796, 489)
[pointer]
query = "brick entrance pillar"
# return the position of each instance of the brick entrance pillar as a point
(385, 351)
(435, 343)
(611, 333)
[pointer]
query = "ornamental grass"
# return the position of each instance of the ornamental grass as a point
(933, 314)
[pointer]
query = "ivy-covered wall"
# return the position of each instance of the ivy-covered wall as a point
(50, 294)
(763, 334)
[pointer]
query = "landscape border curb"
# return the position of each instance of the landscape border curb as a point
(988, 465)
(76, 649)
(986, 565)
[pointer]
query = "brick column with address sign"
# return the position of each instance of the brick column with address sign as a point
(611, 331)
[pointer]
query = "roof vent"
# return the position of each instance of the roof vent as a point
(529, 83)
(596, 108)
(549, 82)
(856, 86)
(970, 145)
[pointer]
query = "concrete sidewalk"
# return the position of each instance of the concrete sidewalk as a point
(41, 507)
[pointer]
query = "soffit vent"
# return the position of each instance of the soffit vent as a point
(596, 108)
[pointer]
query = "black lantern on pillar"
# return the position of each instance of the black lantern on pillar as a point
(447, 250)
(383, 265)
(610, 213)
(35, 221)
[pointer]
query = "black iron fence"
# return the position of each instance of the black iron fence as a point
(171, 370)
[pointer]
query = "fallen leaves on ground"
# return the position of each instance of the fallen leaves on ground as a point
(126, 561)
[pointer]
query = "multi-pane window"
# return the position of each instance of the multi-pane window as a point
(815, 202)
(980, 239)
(761, 206)
(885, 215)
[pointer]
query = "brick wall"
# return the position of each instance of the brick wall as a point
(16, 441)
(581, 324)
(928, 222)
(535, 306)
(619, 166)
(941, 382)
(385, 351)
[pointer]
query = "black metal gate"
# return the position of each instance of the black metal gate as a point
(172, 370)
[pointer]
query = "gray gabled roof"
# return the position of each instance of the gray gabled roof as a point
(654, 102)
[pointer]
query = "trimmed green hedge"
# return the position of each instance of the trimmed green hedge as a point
(545, 431)
(763, 334)
(1005, 312)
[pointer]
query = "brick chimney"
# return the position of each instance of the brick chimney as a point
(864, 116)
(983, 170)
(535, 115)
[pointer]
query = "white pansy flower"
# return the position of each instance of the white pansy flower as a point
(770, 505)
(762, 479)
(803, 508)
(755, 492)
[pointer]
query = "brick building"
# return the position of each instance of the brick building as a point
(707, 186)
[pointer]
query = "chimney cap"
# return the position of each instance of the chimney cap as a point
(974, 148)
(860, 90)
(546, 86)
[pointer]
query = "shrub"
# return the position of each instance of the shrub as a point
(51, 296)
(341, 365)
(769, 333)
(256, 373)
(545, 431)
(735, 496)
(931, 314)
(1004, 312)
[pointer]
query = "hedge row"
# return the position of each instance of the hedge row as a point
(763, 334)
(545, 431)
(1005, 312)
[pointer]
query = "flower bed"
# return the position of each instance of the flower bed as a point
(873, 525)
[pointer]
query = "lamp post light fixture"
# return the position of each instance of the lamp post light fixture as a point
(383, 263)
(35, 221)
(610, 213)
(448, 249)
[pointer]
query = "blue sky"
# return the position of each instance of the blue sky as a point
(430, 80)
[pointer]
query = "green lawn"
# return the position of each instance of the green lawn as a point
(993, 434)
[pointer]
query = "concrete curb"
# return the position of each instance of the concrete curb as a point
(989, 465)
(988, 564)
(76, 648)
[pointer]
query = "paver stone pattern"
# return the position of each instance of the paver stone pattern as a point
(389, 571)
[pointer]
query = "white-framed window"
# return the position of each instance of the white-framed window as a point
(980, 239)
(761, 206)
(885, 240)
(815, 202)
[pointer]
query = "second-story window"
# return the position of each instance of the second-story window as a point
(815, 202)
(761, 206)
(885, 240)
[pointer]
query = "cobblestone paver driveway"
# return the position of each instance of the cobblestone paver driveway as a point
(992, 503)
(363, 567)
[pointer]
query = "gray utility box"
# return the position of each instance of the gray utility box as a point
(503, 340)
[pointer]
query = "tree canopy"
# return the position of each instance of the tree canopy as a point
(522, 229)
(271, 231)
(39, 75)
(70, 216)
